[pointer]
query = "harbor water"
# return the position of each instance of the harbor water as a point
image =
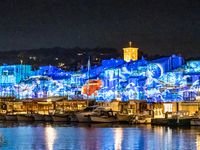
(59, 136)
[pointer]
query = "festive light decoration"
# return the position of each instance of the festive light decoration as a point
(91, 87)
(165, 79)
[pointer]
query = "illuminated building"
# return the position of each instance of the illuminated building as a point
(160, 80)
(11, 74)
(130, 53)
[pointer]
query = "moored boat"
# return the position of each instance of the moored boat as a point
(25, 117)
(124, 117)
(2, 117)
(140, 119)
(11, 117)
(60, 117)
(195, 122)
(48, 118)
(39, 117)
(104, 117)
(84, 116)
(72, 117)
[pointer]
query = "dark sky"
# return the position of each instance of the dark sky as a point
(155, 26)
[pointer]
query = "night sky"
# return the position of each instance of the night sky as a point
(155, 26)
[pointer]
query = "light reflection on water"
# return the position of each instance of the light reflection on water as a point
(118, 136)
(46, 136)
(50, 136)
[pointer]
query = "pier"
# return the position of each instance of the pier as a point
(60, 109)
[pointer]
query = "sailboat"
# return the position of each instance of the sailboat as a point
(88, 75)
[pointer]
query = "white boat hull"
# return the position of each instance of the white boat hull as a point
(83, 117)
(141, 121)
(103, 119)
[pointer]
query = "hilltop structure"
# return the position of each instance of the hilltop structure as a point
(130, 53)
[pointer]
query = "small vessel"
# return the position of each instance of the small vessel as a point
(72, 117)
(25, 117)
(141, 119)
(195, 122)
(48, 118)
(103, 119)
(124, 117)
(60, 117)
(2, 117)
(84, 116)
(106, 116)
(11, 117)
(39, 117)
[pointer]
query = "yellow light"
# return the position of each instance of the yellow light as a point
(48, 100)
(130, 53)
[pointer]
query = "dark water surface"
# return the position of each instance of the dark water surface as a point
(47, 136)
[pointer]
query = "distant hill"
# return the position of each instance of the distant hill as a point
(66, 58)
(69, 59)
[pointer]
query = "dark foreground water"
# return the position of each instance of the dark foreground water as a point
(40, 136)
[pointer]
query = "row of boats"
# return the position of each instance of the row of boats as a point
(97, 114)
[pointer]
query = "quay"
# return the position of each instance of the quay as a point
(133, 111)
(172, 121)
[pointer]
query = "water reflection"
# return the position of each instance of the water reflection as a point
(118, 136)
(48, 136)
(198, 142)
(163, 136)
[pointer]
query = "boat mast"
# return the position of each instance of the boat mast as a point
(88, 77)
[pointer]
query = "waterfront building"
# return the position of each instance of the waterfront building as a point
(12, 74)
(164, 79)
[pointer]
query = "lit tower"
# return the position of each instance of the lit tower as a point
(130, 53)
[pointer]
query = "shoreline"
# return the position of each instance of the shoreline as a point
(168, 122)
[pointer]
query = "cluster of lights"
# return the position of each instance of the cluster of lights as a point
(165, 79)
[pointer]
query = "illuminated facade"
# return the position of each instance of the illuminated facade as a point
(11, 74)
(130, 53)
(161, 80)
